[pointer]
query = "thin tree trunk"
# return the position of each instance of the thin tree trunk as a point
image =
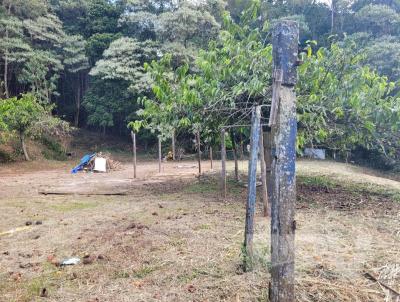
(6, 75)
(7, 93)
(6, 69)
(78, 102)
(333, 8)
(23, 146)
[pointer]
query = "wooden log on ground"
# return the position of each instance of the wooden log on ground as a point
(83, 193)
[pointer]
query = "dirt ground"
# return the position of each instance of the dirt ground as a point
(172, 237)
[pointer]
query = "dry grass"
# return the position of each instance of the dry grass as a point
(179, 241)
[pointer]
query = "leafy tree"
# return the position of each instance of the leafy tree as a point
(109, 104)
(13, 48)
(40, 74)
(378, 20)
(72, 13)
(123, 61)
(25, 9)
(77, 65)
(383, 54)
(102, 16)
(20, 115)
(230, 78)
(343, 104)
(188, 23)
(97, 44)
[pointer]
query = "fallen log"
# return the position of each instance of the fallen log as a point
(83, 193)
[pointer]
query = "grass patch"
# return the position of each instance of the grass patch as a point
(212, 186)
(202, 187)
(73, 206)
(144, 271)
(202, 227)
(350, 187)
(121, 274)
(234, 187)
(318, 181)
(49, 279)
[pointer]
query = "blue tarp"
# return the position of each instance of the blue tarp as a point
(84, 161)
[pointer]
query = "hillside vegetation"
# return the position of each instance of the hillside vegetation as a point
(167, 67)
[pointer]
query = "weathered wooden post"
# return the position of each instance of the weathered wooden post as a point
(211, 157)
(267, 137)
(264, 196)
(235, 157)
(285, 40)
(252, 187)
(173, 145)
(159, 154)
(198, 150)
(223, 163)
(133, 135)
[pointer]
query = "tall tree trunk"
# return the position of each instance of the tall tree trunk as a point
(7, 94)
(23, 145)
(78, 102)
(333, 10)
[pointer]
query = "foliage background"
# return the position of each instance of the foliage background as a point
(207, 63)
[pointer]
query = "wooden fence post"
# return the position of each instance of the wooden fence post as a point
(159, 154)
(267, 138)
(264, 196)
(252, 187)
(285, 39)
(223, 163)
(133, 135)
(235, 155)
(173, 145)
(211, 157)
(198, 150)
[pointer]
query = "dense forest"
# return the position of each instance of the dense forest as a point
(166, 65)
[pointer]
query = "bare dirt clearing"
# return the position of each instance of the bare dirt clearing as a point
(172, 237)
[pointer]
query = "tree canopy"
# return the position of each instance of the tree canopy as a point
(198, 65)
